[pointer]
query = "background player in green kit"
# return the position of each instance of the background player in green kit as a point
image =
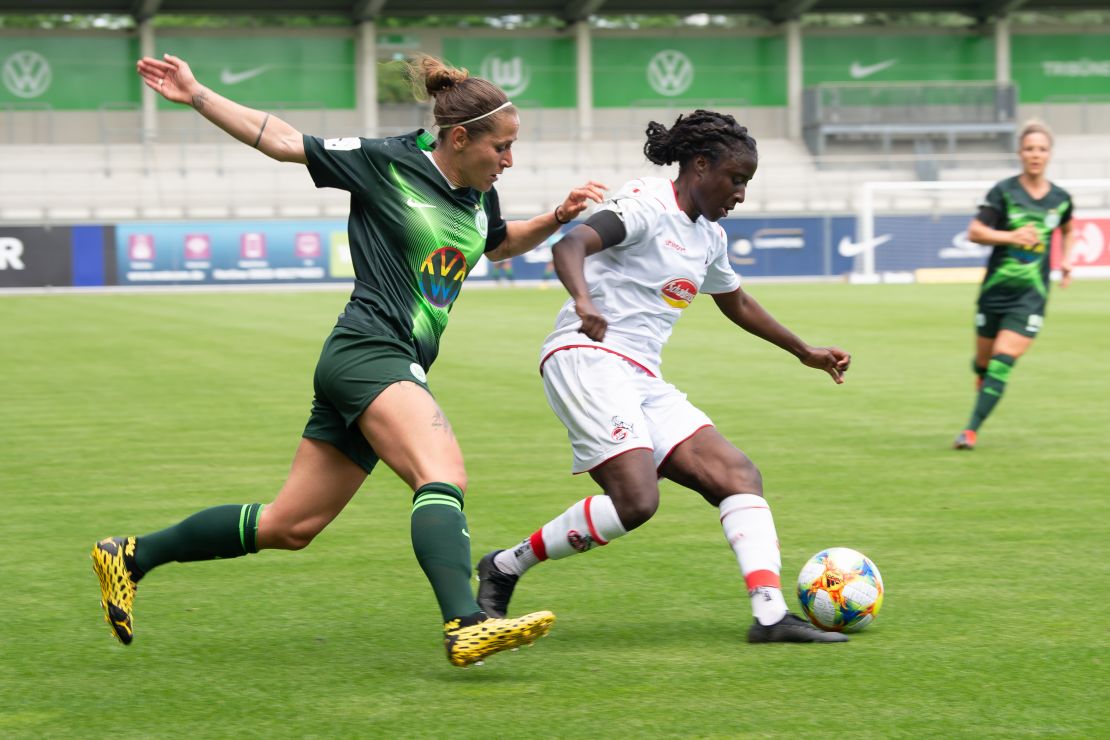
(1017, 219)
(423, 211)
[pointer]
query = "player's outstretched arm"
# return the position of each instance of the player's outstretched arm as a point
(524, 236)
(172, 78)
(745, 312)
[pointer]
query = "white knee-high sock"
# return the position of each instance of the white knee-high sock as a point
(750, 531)
(591, 522)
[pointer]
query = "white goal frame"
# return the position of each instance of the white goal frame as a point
(865, 212)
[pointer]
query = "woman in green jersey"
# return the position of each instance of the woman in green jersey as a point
(423, 211)
(1017, 219)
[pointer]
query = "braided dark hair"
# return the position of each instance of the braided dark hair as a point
(703, 132)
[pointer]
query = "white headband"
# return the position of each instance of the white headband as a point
(503, 106)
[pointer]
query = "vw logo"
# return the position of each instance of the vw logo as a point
(511, 75)
(670, 72)
(26, 74)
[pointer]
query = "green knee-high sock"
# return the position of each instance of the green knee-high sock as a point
(219, 532)
(978, 369)
(994, 383)
(442, 546)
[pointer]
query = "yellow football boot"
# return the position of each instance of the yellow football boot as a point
(114, 562)
(470, 644)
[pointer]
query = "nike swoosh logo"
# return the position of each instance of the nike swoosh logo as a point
(849, 248)
(228, 77)
(859, 71)
(467, 534)
(413, 204)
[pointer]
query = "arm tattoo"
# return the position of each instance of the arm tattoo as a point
(199, 100)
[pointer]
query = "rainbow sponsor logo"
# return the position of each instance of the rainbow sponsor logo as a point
(442, 275)
(679, 292)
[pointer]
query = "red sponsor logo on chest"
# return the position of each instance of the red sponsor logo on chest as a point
(679, 292)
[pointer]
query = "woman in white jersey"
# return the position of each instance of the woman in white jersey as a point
(630, 270)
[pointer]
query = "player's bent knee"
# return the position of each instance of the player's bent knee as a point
(456, 478)
(290, 537)
(636, 511)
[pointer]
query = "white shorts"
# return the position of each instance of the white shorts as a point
(610, 406)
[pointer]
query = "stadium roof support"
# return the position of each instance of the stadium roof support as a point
(791, 10)
(569, 10)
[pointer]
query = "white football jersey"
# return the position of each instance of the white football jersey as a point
(642, 285)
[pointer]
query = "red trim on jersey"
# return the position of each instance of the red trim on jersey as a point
(538, 548)
(590, 523)
(762, 579)
(675, 447)
(593, 346)
(614, 457)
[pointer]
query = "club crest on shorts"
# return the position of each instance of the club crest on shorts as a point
(620, 431)
(418, 372)
(679, 292)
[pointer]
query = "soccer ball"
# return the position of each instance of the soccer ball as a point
(840, 590)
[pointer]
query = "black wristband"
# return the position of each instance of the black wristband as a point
(556, 214)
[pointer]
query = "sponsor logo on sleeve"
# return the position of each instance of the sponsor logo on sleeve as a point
(345, 144)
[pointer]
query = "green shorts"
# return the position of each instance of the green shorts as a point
(987, 325)
(352, 370)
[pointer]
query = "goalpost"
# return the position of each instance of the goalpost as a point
(910, 231)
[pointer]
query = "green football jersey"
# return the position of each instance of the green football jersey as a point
(413, 237)
(1014, 269)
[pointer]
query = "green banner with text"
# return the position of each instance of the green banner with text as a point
(533, 72)
(1061, 68)
(298, 71)
(68, 72)
(897, 58)
(665, 71)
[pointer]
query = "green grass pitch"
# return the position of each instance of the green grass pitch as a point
(124, 413)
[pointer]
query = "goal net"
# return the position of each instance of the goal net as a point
(917, 231)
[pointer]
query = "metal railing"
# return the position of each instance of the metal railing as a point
(908, 110)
